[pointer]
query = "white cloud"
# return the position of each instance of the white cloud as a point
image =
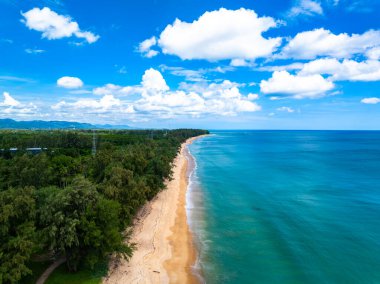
(333, 2)
(219, 69)
(34, 51)
(145, 47)
(190, 75)
(107, 107)
(371, 101)
(177, 102)
(197, 75)
(373, 53)
(6, 40)
(122, 70)
(16, 79)
(111, 89)
(152, 80)
(221, 34)
(288, 67)
(11, 106)
(252, 97)
(70, 82)
(323, 43)
(238, 62)
(360, 6)
(224, 98)
(88, 36)
(296, 86)
(55, 26)
(347, 70)
(9, 101)
(217, 99)
(274, 98)
(105, 103)
(156, 100)
(286, 109)
(306, 8)
(80, 92)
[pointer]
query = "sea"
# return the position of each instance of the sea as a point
(286, 206)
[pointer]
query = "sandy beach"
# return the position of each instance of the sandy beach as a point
(164, 252)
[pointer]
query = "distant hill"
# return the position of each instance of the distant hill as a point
(40, 124)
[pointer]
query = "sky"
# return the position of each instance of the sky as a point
(215, 64)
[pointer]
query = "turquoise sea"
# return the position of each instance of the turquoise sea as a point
(287, 206)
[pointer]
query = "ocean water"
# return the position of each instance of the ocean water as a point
(287, 206)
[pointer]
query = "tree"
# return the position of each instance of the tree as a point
(80, 224)
(101, 234)
(29, 170)
(17, 231)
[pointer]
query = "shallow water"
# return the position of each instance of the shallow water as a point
(287, 206)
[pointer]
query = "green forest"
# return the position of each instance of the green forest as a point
(75, 193)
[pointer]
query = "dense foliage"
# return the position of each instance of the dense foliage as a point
(65, 201)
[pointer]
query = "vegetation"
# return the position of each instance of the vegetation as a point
(84, 276)
(64, 201)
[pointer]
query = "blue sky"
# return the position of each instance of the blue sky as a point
(299, 64)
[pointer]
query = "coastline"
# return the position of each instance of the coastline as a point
(165, 252)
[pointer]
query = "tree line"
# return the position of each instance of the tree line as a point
(67, 202)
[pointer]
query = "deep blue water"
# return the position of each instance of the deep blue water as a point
(288, 206)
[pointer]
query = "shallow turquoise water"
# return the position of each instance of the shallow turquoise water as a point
(287, 206)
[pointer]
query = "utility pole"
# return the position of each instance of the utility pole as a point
(93, 144)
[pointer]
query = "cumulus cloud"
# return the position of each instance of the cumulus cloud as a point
(323, 43)
(153, 80)
(156, 99)
(371, 101)
(145, 47)
(107, 102)
(346, 70)
(218, 35)
(177, 102)
(296, 86)
(70, 82)
(216, 98)
(9, 101)
(55, 26)
(10, 105)
(305, 8)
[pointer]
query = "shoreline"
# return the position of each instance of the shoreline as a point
(165, 251)
(184, 254)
